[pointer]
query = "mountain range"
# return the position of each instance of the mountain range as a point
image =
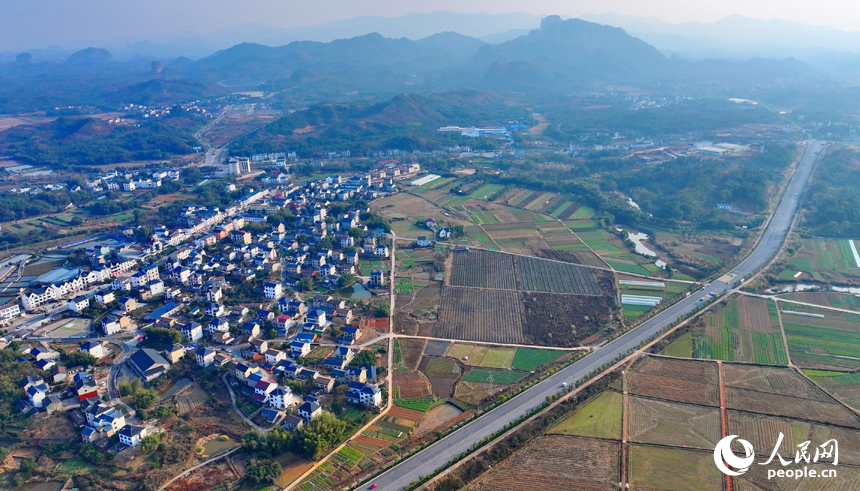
(560, 56)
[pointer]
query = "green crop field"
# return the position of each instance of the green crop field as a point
(522, 198)
(746, 329)
(600, 417)
(529, 358)
(818, 346)
(422, 404)
(486, 190)
(627, 268)
(499, 377)
(583, 213)
(498, 358)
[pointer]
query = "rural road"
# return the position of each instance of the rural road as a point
(427, 461)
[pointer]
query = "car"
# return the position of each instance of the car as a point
(373, 486)
(564, 384)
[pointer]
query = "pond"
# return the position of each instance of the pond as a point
(41, 486)
(359, 291)
(217, 446)
(637, 239)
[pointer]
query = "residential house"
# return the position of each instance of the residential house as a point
(273, 356)
(131, 435)
(259, 345)
(298, 348)
(309, 410)
(251, 329)
(215, 310)
(175, 353)
(94, 348)
(220, 324)
(293, 422)
(78, 303)
(103, 298)
(38, 353)
(380, 251)
(324, 383)
(344, 353)
(192, 331)
(115, 324)
(377, 279)
(148, 364)
(205, 357)
(128, 304)
(262, 390)
(364, 394)
(334, 363)
(273, 289)
(85, 386)
(423, 241)
(36, 389)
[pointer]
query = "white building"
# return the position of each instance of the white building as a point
(273, 289)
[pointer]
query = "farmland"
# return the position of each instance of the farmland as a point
(673, 469)
(552, 277)
(824, 261)
(480, 315)
(846, 301)
(483, 269)
(829, 342)
(576, 463)
(565, 320)
(674, 421)
(529, 358)
(600, 417)
(742, 328)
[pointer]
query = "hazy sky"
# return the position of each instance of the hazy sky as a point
(39, 23)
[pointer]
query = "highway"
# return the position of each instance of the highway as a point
(427, 461)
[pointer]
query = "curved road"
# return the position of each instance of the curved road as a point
(428, 460)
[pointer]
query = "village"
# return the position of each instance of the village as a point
(282, 295)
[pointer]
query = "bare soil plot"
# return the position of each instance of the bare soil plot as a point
(553, 277)
(756, 478)
(480, 315)
(847, 301)
(674, 423)
(410, 384)
(443, 374)
(790, 407)
(676, 380)
(411, 350)
(438, 416)
(672, 469)
(474, 392)
(565, 320)
(483, 269)
(556, 462)
(782, 381)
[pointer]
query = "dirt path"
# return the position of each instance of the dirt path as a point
(625, 429)
(539, 128)
(189, 471)
(784, 338)
(723, 412)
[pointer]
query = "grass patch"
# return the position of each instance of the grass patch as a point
(529, 358)
(600, 417)
(499, 377)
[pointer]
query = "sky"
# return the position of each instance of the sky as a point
(40, 23)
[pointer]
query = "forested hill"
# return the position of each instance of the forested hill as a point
(406, 122)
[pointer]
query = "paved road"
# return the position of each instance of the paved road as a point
(427, 461)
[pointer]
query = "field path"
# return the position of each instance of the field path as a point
(723, 412)
(489, 343)
(784, 338)
(559, 220)
(625, 428)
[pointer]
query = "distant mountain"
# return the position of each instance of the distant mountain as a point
(575, 50)
(734, 37)
(90, 56)
(250, 63)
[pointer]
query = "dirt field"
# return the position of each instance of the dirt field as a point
(411, 350)
(674, 424)
(480, 315)
(556, 462)
(676, 380)
(673, 469)
(411, 384)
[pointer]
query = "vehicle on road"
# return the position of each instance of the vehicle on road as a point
(564, 384)
(373, 486)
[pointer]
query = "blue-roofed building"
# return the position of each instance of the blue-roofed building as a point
(166, 310)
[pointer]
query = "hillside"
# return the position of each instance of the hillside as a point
(91, 141)
(407, 122)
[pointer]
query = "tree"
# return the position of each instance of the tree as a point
(161, 337)
(347, 279)
(383, 310)
(78, 358)
(305, 284)
(365, 358)
(263, 471)
(143, 398)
